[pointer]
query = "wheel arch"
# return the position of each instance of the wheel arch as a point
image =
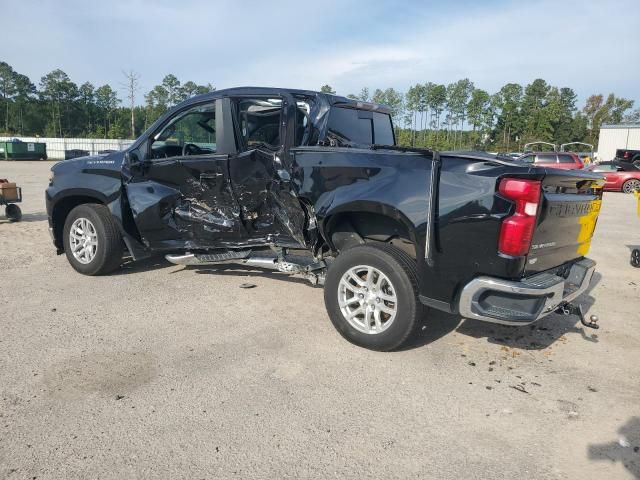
(63, 206)
(366, 222)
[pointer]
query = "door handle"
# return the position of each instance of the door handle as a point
(209, 177)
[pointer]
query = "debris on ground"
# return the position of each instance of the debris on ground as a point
(519, 388)
(247, 285)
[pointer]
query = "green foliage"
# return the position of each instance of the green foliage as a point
(327, 89)
(444, 117)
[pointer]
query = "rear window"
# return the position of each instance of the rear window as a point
(383, 129)
(546, 158)
(566, 159)
(362, 127)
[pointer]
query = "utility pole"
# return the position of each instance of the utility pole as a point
(132, 85)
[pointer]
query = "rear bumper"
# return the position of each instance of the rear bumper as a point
(522, 302)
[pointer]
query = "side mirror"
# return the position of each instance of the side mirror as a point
(131, 158)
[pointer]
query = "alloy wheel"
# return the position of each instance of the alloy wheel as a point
(83, 240)
(367, 299)
(631, 186)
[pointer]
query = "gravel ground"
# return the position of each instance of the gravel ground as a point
(161, 371)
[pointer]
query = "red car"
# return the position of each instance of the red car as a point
(619, 176)
(562, 160)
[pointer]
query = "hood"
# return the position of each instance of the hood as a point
(110, 161)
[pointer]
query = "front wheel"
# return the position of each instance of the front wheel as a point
(92, 241)
(631, 186)
(371, 295)
(635, 258)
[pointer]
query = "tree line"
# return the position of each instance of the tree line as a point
(461, 116)
(444, 117)
(58, 107)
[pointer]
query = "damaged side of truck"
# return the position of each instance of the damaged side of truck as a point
(313, 184)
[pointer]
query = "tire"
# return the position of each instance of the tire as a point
(13, 212)
(393, 272)
(102, 230)
(635, 258)
(631, 185)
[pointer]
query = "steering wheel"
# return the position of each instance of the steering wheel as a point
(190, 149)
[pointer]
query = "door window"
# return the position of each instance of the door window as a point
(190, 132)
(566, 159)
(259, 122)
(546, 158)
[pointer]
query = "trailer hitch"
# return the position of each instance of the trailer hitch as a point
(571, 309)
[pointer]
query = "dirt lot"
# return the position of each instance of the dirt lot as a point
(162, 371)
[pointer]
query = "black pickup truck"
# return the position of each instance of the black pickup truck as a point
(626, 155)
(314, 184)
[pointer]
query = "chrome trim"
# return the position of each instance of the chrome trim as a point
(554, 293)
(186, 259)
(431, 204)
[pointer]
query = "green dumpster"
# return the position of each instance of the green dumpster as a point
(23, 151)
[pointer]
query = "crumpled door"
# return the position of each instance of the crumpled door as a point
(185, 202)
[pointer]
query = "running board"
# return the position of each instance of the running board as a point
(308, 267)
(207, 258)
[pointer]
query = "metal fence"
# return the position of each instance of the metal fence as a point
(56, 147)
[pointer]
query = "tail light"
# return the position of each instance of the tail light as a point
(626, 154)
(516, 230)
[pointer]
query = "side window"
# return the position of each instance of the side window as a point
(348, 126)
(303, 110)
(546, 158)
(190, 132)
(528, 158)
(566, 159)
(259, 122)
(382, 129)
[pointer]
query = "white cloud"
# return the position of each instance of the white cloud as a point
(348, 44)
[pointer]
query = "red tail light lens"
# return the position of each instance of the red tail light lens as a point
(516, 231)
(626, 154)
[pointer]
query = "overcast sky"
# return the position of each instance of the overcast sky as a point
(587, 45)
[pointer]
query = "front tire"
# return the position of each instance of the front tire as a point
(92, 241)
(631, 186)
(371, 295)
(635, 258)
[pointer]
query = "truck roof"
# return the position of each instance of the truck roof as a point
(330, 98)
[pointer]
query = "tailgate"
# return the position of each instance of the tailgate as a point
(567, 218)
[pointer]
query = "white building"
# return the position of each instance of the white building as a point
(613, 137)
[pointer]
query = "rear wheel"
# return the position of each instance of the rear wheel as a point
(371, 295)
(635, 258)
(92, 241)
(13, 212)
(631, 186)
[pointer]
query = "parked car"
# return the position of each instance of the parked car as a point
(561, 160)
(619, 176)
(628, 156)
(313, 184)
